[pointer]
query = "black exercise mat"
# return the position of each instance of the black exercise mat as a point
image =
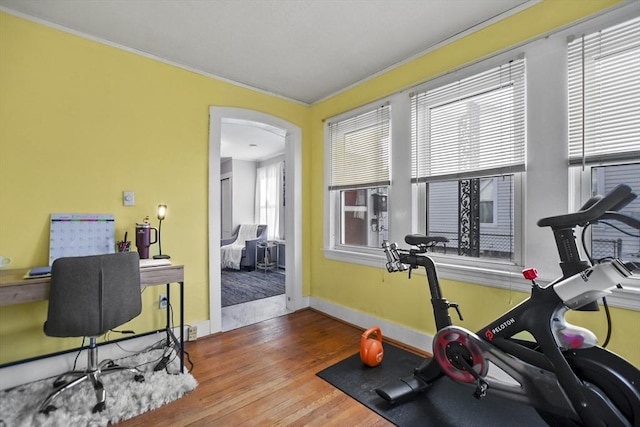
(444, 404)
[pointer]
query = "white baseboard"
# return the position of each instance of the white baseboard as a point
(407, 336)
(26, 372)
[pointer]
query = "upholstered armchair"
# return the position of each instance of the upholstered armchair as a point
(245, 239)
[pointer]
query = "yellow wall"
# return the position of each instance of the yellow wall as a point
(79, 123)
(393, 297)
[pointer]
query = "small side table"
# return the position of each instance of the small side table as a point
(266, 255)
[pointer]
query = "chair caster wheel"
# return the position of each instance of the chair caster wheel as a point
(48, 409)
(139, 378)
(100, 406)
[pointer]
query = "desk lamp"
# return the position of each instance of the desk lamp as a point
(162, 212)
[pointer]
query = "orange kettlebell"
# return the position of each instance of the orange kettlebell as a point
(371, 351)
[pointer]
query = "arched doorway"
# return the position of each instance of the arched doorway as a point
(293, 206)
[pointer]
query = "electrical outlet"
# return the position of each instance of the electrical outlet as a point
(193, 333)
(162, 301)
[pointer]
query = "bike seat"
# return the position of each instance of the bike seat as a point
(422, 239)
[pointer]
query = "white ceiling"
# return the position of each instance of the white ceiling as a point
(304, 50)
(251, 141)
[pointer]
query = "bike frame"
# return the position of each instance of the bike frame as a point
(544, 373)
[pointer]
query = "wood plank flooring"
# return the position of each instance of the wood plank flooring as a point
(264, 375)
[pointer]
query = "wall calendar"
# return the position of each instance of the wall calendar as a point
(80, 235)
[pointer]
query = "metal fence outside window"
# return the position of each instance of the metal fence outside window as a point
(606, 248)
(492, 245)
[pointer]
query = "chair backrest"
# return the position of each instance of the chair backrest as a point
(92, 294)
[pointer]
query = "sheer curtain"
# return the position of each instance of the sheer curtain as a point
(269, 198)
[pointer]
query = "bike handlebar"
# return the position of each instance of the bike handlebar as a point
(630, 221)
(393, 257)
(593, 210)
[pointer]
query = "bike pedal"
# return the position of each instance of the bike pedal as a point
(481, 389)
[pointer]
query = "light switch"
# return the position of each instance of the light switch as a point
(128, 198)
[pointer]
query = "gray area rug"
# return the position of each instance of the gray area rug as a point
(126, 398)
(244, 286)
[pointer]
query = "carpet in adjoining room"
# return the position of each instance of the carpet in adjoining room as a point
(445, 404)
(244, 286)
(126, 398)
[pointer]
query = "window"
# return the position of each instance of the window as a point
(604, 94)
(468, 135)
(468, 141)
(364, 217)
(269, 200)
(359, 177)
(449, 214)
(604, 127)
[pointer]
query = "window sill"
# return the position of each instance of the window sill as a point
(363, 258)
(494, 274)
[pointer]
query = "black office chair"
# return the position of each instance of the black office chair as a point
(89, 296)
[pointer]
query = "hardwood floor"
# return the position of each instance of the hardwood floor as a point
(264, 375)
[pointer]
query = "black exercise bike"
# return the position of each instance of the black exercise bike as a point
(562, 371)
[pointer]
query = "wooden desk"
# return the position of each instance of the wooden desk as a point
(15, 289)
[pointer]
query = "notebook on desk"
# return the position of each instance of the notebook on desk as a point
(38, 272)
(154, 262)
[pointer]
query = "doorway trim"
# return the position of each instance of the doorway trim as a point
(293, 207)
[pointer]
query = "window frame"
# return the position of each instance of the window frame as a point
(547, 167)
(486, 77)
(582, 165)
(333, 202)
(482, 266)
(341, 209)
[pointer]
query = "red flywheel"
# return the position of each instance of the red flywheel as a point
(451, 346)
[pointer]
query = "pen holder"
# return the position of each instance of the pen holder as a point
(123, 246)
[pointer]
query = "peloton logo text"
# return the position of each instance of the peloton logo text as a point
(490, 333)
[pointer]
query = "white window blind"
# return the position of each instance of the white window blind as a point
(604, 94)
(471, 127)
(359, 149)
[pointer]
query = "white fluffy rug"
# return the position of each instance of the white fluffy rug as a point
(126, 398)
